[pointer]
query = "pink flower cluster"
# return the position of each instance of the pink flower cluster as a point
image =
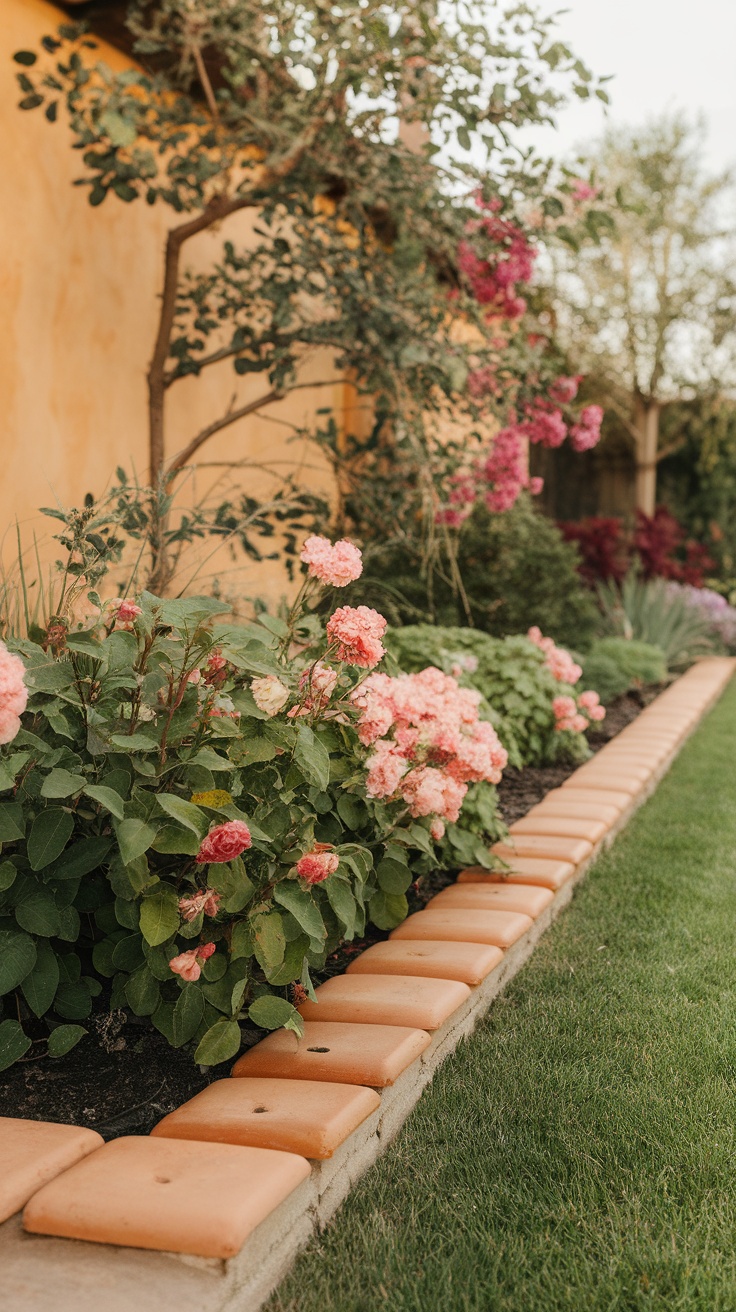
(582, 191)
(335, 565)
(317, 865)
(499, 477)
(428, 743)
(13, 694)
(188, 965)
(493, 278)
(355, 632)
(124, 612)
(558, 661)
(586, 433)
(224, 843)
(575, 716)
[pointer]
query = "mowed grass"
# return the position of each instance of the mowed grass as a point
(578, 1151)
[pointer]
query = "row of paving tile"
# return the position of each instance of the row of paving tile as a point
(215, 1168)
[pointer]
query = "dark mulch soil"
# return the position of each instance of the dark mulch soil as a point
(124, 1077)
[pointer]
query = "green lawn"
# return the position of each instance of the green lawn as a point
(578, 1152)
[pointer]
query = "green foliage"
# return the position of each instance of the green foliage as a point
(615, 665)
(133, 746)
(517, 688)
(516, 571)
(659, 615)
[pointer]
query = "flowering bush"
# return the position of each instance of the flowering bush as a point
(189, 811)
(657, 548)
(714, 608)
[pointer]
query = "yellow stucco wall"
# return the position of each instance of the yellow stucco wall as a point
(78, 289)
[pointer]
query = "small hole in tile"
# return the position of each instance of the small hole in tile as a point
(318, 1050)
(162, 1179)
(260, 1109)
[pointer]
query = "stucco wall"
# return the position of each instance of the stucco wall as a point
(78, 288)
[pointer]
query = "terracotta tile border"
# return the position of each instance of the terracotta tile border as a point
(295, 1197)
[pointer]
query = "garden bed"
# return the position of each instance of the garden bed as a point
(125, 1076)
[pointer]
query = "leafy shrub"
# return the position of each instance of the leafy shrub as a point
(518, 688)
(615, 665)
(603, 549)
(655, 613)
(657, 548)
(516, 571)
(172, 834)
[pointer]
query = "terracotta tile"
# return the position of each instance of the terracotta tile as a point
(608, 780)
(32, 1153)
(180, 1197)
(559, 827)
(494, 897)
(570, 792)
(573, 850)
(501, 928)
(628, 766)
(308, 1117)
(585, 810)
(352, 1054)
(525, 870)
(379, 1000)
(468, 962)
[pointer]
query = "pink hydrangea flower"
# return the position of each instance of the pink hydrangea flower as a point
(317, 865)
(13, 694)
(188, 965)
(386, 766)
(558, 661)
(356, 632)
(590, 702)
(224, 843)
(335, 565)
(437, 830)
(208, 901)
(269, 694)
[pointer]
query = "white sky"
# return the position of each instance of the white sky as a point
(664, 54)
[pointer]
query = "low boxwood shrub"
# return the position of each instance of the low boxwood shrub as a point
(194, 814)
(613, 666)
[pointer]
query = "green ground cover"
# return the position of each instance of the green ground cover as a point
(578, 1151)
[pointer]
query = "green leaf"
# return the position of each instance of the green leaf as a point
(135, 742)
(270, 942)
(312, 757)
(50, 833)
(25, 57)
(232, 883)
(82, 857)
(64, 1038)
(12, 822)
(107, 797)
(352, 810)
(220, 1043)
(241, 942)
(172, 840)
(186, 813)
(37, 911)
(134, 838)
(159, 915)
(7, 779)
(188, 1014)
(13, 1043)
(39, 988)
(17, 958)
(302, 907)
(73, 1001)
(270, 1012)
(293, 963)
(393, 876)
(61, 783)
(387, 910)
(120, 130)
(211, 760)
(343, 904)
(8, 873)
(142, 992)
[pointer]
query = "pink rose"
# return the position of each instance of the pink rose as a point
(188, 965)
(124, 612)
(356, 632)
(208, 901)
(565, 389)
(13, 694)
(317, 865)
(224, 842)
(335, 565)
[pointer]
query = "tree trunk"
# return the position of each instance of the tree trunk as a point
(647, 438)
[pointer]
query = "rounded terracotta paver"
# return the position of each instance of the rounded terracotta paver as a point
(494, 897)
(606, 780)
(573, 850)
(500, 928)
(571, 791)
(559, 827)
(308, 1117)
(33, 1152)
(468, 962)
(379, 1000)
(572, 809)
(169, 1194)
(523, 870)
(330, 1050)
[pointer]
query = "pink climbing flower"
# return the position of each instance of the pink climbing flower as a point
(335, 565)
(586, 433)
(317, 865)
(356, 631)
(224, 843)
(13, 694)
(565, 389)
(208, 901)
(188, 965)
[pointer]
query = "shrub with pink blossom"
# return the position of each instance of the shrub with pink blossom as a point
(13, 694)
